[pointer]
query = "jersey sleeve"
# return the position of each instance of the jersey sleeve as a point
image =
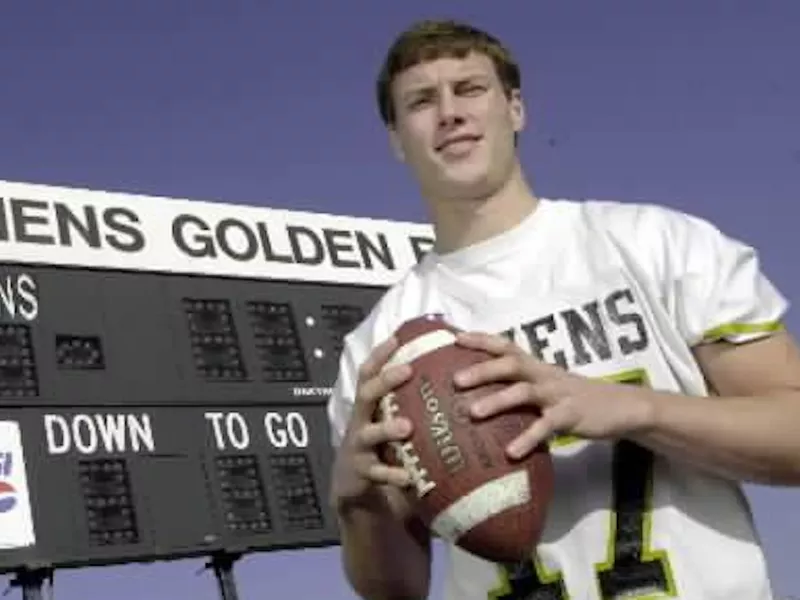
(343, 393)
(719, 290)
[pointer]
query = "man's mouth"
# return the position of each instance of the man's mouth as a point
(458, 141)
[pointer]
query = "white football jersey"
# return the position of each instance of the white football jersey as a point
(609, 290)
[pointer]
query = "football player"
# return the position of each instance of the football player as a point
(651, 341)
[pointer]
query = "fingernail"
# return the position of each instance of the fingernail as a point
(514, 450)
(400, 372)
(478, 410)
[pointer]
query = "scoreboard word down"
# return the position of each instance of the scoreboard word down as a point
(131, 433)
(166, 416)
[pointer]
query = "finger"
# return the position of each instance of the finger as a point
(493, 344)
(377, 358)
(513, 396)
(555, 420)
(383, 474)
(375, 434)
(374, 389)
(510, 367)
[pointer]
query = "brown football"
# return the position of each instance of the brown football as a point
(466, 489)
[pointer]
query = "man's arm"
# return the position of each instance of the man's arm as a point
(723, 307)
(386, 553)
(751, 429)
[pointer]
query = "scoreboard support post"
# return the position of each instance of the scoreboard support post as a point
(31, 582)
(222, 563)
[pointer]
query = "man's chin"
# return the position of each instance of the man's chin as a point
(477, 187)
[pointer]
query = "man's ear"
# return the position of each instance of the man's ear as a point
(517, 108)
(397, 146)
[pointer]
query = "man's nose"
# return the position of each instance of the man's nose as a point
(449, 110)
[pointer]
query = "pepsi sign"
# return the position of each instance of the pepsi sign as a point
(16, 522)
(8, 493)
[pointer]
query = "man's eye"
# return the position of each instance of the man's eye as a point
(472, 89)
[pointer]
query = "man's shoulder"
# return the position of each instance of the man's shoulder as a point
(644, 227)
(614, 214)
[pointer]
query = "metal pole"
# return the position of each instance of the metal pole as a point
(222, 564)
(31, 582)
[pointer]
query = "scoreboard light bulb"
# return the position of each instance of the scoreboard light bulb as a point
(278, 342)
(79, 352)
(18, 373)
(215, 343)
(297, 496)
(243, 494)
(108, 502)
(340, 320)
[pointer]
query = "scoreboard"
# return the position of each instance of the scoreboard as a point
(165, 367)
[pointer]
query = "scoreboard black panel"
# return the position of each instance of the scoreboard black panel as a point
(169, 416)
(177, 482)
(121, 338)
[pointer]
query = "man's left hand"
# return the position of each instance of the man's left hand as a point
(570, 404)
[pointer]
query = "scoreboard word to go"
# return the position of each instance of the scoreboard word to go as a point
(165, 366)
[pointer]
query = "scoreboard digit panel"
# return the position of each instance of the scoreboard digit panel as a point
(101, 337)
(249, 339)
(146, 483)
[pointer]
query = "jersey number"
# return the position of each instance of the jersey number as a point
(632, 570)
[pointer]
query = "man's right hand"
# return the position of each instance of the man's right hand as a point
(386, 551)
(358, 471)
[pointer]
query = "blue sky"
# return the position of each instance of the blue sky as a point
(693, 105)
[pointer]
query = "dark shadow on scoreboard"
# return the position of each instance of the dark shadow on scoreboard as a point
(166, 417)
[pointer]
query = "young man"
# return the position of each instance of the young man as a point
(596, 296)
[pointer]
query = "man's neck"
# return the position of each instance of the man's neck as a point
(462, 223)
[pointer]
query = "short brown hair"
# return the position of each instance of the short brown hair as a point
(431, 39)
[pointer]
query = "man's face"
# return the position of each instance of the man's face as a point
(455, 127)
